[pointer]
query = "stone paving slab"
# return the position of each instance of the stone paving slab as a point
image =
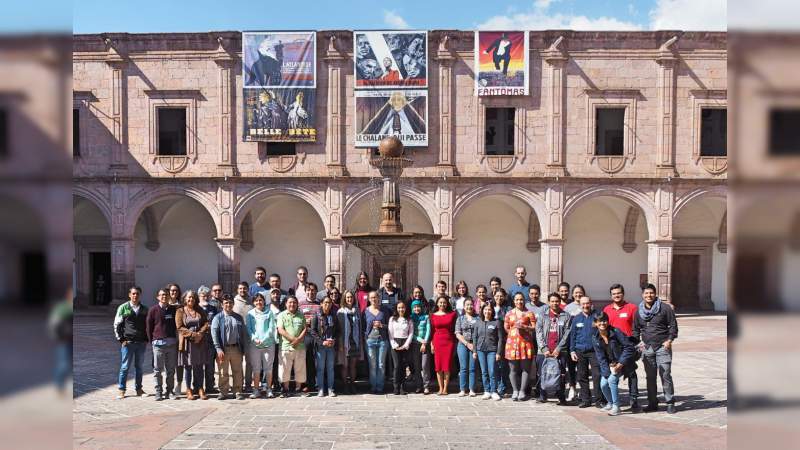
(402, 422)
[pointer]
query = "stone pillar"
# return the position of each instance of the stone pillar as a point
(443, 262)
(225, 63)
(123, 269)
(443, 55)
(552, 254)
(556, 157)
(334, 261)
(334, 142)
(665, 157)
(118, 111)
(228, 263)
(659, 266)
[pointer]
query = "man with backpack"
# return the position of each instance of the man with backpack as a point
(552, 335)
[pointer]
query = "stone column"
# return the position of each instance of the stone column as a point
(118, 111)
(659, 266)
(225, 63)
(556, 157)
(443, 55)
(334, 261)
(665, 158)
(123, 269)
(228, 263)
(552, 254)
(334, 142)
(443, 262)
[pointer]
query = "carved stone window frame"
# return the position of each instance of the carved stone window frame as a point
(501, 163)
(81, 101)
(707, 99)
(173, 99)
(611, 98)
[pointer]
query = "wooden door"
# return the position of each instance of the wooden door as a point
(685, 282)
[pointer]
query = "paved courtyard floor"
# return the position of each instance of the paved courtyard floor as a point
(387, 421)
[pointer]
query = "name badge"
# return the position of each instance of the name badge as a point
(386, 300)
(623, 315)
(168, 316)
(579, 324)
(491, 327)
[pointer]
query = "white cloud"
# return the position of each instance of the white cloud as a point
(539, 18)
(394, 20)
(703, 15)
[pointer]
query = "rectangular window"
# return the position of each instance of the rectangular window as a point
(784, 132)
(4, 138)
(172, 131)
(76, 132)
(500, 131)
(609, 132)
(282, 148)
(714, 132)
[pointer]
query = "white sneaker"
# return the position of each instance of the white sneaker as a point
(473, 394)
(571, 394)
(462, 394)
(496, 396)
(486, 396)
(270, 394)
(331, 393)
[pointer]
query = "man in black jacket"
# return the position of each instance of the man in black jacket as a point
(656, 326)
(129, 329)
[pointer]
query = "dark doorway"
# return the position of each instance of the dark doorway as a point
(34, 279)
(685, 282)
(100, 264)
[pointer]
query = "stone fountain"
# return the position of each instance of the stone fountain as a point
(390, 245)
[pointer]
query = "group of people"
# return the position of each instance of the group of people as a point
(275, 342)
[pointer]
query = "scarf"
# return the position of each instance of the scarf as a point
(349, 331)
(647, 314)
(415, 317)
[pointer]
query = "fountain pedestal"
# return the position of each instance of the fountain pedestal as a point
(390, 245)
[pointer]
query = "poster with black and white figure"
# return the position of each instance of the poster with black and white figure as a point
(279, 115)
(390, 59)
(501, 63)
(273, 59)
(400, 112)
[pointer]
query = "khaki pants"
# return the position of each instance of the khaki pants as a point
(231, 362)
(293, 359)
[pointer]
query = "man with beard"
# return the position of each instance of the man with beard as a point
(266, 71)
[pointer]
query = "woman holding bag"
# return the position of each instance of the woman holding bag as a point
(193, 330)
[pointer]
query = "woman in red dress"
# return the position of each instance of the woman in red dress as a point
(443, 323)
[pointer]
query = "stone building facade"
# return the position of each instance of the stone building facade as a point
(552, 205)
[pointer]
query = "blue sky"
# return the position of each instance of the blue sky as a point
(137, 16)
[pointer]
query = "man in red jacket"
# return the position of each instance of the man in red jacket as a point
(620, 316)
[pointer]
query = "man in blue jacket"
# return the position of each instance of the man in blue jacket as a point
(582, 352)
(229, 334)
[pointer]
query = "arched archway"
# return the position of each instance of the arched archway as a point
(91, 230)
(492, 237)
(186, 252)
(596, 251)
(699, 268)
(364, 215)
(257, 196)
(286, 232)
(630, 195)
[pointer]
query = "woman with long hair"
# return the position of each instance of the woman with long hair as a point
(443, 323)
(323, 330)
(465, 333)
(361, 290)
(174, 293)
(193, 330)
(401, 333)
(350, 347)
(489, 347)
(500, 310)
(262, 328)
(418, 293)
(376, 320)
(461, 294)
(520, 326)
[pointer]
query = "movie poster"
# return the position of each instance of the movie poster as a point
(391, 59)
(279, 59)
(501, 63)
(401, 112)
(279, 115)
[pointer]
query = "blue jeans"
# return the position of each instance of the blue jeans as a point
(502, 375)
(610, 387)
(465, 364)
(488, 370)
(63, 364)
(376, 353)
(325, 361)
(193, 377)
(132, 351)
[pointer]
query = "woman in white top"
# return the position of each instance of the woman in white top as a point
(401, 332)
(461, 294)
